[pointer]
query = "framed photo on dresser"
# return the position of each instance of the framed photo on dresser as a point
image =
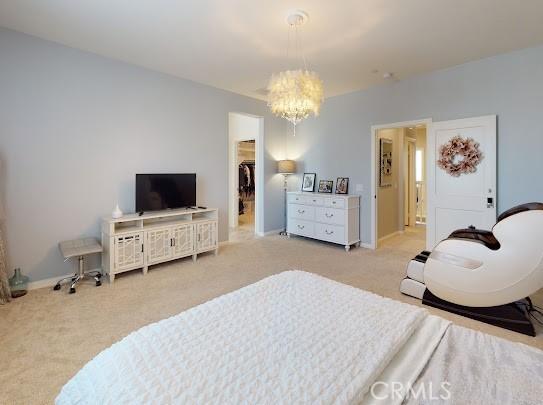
(308, 182)
(326, 186)
(342, 185)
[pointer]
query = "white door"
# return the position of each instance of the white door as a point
(158, 245)
(456, 202)
(182, 240)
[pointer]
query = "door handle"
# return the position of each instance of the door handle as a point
(490, 202)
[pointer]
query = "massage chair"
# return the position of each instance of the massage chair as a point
(485, 275)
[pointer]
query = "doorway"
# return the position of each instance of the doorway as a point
(399, 185)
(245, 185)
(246, 190)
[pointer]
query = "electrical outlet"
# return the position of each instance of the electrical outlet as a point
(360, 187)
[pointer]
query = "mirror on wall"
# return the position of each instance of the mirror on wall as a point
(385, 156)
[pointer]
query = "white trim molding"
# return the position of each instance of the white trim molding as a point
(390, 235)
(269, 233)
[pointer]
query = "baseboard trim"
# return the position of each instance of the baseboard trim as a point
(268, 233)
(390, 235)
(50, 282)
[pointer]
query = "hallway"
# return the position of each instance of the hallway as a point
(413, 239)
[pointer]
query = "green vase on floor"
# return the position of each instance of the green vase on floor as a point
(18, 284)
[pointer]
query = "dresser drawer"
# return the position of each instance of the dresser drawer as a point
(299, 211)
(314, 200)
(330, 215)
(300, 227)
(296, 199)
(330, 233)
(336, 202)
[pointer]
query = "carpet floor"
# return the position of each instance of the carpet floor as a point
(47, 336)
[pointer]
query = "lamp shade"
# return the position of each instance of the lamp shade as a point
(286, 166)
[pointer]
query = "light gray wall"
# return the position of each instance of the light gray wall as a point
(75, 128)
(338, 142)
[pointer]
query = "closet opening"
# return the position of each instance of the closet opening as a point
(245, 188)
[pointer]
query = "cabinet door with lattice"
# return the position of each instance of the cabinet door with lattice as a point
(182, 240)
(129, 251)
(158, 245)
(206, 236)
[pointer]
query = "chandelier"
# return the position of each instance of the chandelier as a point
(295, 94)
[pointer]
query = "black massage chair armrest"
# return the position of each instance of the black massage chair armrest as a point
(487, 238)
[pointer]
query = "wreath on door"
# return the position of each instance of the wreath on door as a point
(459, 156)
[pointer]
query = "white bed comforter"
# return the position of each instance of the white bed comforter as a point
(482, 369)
(291, 338)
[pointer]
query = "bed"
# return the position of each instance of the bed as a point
(298, 338)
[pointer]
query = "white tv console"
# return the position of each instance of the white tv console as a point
(328, 217)
(134, 241)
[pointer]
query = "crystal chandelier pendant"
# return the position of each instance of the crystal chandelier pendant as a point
(295, 94)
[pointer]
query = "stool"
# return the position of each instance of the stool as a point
(80, 248)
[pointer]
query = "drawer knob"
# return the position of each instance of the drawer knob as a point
(326, 231)
(301, 226)
(329, 215)
(301, 211)
(314, 200)
(333, 202)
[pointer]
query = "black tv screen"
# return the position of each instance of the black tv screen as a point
(165, 191)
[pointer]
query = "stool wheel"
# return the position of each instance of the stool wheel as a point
(98, 283)
(56, 287)
(72, 290)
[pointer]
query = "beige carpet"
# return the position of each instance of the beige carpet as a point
(47, 336)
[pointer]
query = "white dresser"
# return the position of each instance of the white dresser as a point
(328, 217)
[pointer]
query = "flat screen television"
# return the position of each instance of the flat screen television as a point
(165, 191)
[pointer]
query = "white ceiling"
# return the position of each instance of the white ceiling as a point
(236, 45)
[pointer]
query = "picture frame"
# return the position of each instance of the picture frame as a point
(326, 186)
(385, 162)
(308, 182)
(342, 185)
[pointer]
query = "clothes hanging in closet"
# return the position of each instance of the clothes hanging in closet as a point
(246, 183)
(247, 178)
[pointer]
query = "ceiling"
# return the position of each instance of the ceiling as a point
(236, 45)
